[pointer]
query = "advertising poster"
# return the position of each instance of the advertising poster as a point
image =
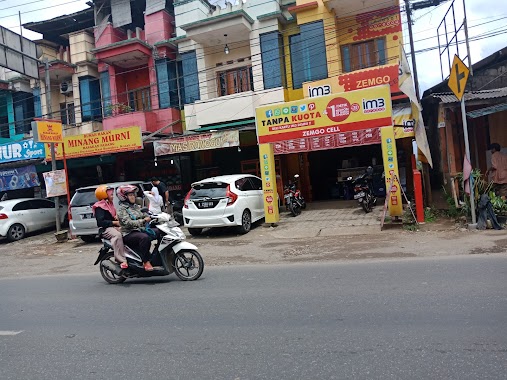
(21, 150)
(204, 141)
(326, 115)
(19, 178)
(56, 183)
(390, 157)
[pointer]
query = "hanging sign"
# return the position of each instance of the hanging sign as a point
(204, 141)
(19, 178)
(21, 150)
(97, 143)
(56, 183)
(325, 115)
(47, 131)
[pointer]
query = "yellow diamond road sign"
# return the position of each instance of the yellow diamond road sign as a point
(458, 77)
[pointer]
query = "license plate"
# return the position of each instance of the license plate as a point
(86, 216)
(359, 195)
(206, 204)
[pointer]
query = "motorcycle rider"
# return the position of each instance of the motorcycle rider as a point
(133, 223)
(105, 214)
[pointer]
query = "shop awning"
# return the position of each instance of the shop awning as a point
(487, 111)
(233, 124)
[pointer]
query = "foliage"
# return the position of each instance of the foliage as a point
(499, 204)
(118, 108)
(430, 215)
(453, 212)
(480, 186)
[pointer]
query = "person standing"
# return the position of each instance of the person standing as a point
(156, 202)
(498, 169)
(105, 214)
(163, 191)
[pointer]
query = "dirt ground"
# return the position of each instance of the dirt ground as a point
(289, 242)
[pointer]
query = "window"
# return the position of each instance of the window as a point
(190, 77)
(235, 81)
(36, 102)
(24, 111)
(273, 63)
(308, 54)
(89, 89)
(23, 206)
(139, 99)
(363, 55)
(167, 78)
(42, 203)
(4, 116)
(243, 184)
(105, 87)
(257, 183)
(67, 113)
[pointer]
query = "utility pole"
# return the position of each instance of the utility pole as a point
(53, 154)
(412, 51)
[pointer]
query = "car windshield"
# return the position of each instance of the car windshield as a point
(208, 190)
(85, 197)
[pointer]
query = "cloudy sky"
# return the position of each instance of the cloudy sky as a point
(487, 21)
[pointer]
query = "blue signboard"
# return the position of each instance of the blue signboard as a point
(19, 178)
(21, 150)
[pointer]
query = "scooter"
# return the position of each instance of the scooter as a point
(171, 254)
(363, 190)
(294, 201)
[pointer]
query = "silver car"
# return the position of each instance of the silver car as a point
(82, 221)
(21, 216)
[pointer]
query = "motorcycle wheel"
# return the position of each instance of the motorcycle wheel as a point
(367, 204)
(107, 275)
(295, 210)
(303, 204)
(188, 265)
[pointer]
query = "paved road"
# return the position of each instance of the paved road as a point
(429, 318)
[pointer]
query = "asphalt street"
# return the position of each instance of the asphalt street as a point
(412, 318)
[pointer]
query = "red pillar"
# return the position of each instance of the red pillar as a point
(418, 195)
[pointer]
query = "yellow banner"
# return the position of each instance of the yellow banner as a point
(390, 158)
(268, 175)
(49, 131)
(325, 115)
(97, 143)
(404, 122)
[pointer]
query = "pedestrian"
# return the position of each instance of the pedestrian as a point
(498, 169)
(156, 201)
(163, 191)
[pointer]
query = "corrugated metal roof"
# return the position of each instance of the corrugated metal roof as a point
(448, 97)
(487, 111)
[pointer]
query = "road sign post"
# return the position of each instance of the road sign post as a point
(457, 83)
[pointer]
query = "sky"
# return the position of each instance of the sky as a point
(486, 18)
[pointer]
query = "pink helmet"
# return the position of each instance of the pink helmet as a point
(122, 191)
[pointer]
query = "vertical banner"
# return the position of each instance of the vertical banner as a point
(56, 183)
(268, 175)
(390, 158)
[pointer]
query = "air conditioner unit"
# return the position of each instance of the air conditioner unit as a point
(65, 87)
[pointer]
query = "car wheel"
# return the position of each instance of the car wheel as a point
(16, 232)
(88, 238)
(195, 231)
(246, 222)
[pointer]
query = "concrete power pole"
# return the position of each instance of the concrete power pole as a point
(412, 52)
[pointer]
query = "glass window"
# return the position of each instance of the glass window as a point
(105, 87)
(85, 197)
(42, 203)
(36, 102)
(190, 77)
(23, 206)
(235, 81)
(67, 113)
(243, 184)
(308, 54)
(208, 190)
(273, 63)
(363, 55)
(256, 182)
(89, 90)
(167, 83)
(24, 111)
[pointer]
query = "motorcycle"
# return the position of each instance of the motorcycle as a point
(363, 190)
(294, 201)
(171, 254)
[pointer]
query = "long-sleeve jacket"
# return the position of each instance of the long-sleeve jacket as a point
(104, 218)
(131, 217)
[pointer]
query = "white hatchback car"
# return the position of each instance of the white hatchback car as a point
(21, 216)
(229, 200)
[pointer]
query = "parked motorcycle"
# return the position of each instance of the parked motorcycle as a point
(171, 254)
(294, 201)
(363, 190)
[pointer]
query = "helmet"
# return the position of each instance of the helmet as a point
(369, 170)
(101, 192)
(122, 191)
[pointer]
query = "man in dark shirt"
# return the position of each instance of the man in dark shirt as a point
(162, 190)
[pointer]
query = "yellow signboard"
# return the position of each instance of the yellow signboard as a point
(97, 143)
(458, 77)
(47, 131)
(390, 157)
(325, 115)
(268, 174)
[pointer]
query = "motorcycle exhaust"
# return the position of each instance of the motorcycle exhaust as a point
(115, 268)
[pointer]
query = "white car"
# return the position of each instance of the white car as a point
(229, 200)
(21, 216)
